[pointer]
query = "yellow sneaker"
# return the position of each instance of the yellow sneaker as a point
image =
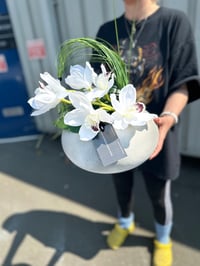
(162, 254)
(118, 235)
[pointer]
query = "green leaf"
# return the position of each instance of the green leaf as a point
(59, 123)
(75, 51)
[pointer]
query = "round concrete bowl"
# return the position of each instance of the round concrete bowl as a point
(138, 142)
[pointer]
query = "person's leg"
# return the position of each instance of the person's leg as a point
(123, 183)
(159, 191)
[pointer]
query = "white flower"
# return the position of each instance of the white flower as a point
(86, 116)
(102, 84)
(47, 97)
(80, 77)
(127, 110)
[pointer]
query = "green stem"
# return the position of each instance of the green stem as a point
(107, 97)
(103, 105)
(116, 28)
(131, 38)
(65, 101)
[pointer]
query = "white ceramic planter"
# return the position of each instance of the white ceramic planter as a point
(138, 142)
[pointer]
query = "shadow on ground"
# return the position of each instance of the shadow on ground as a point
(63, 232)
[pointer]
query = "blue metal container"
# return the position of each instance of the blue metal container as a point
(15, 119)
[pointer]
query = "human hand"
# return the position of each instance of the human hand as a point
(164, 124)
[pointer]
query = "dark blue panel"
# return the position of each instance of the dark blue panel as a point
(3, 7)
(15, 119)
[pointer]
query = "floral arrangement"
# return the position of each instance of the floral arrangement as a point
(89, 98)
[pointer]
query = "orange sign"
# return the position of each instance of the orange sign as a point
(36, 49)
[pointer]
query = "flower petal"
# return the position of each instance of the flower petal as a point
(104, 116)
(140, 107)
(54, 85)
(86, 133)
(127, 96)
(43, 101)
(145, 116)
(115, 103)
(80, 101)
(118, 121)
(75, 117)
(75, 80)
(89, 73)
(80, 77)
(103, 83)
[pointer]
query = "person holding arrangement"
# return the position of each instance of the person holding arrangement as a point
(157, 44)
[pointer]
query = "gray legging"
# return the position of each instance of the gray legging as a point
(159, 191)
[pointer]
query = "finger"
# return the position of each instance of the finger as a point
(158, 147)
(157, 120)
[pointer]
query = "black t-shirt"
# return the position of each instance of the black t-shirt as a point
(160, 59)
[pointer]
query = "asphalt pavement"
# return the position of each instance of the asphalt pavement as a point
(53, 213)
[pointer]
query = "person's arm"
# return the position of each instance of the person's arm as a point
(173, 108)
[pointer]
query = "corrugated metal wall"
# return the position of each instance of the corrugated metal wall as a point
(36, 20)
(54, 21)
(82, 17)
(190, 130)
